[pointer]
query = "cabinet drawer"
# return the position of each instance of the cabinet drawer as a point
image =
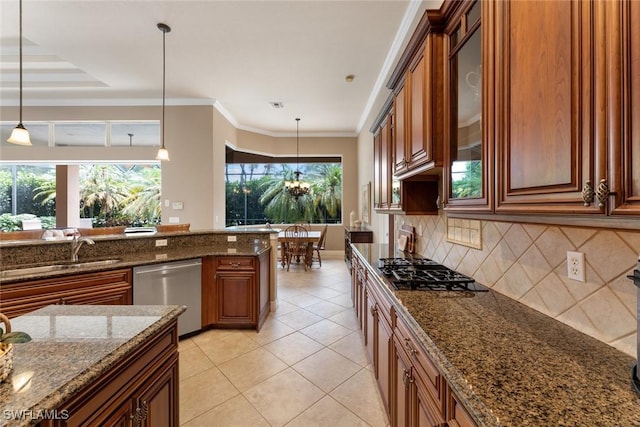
(421, 361)
(361, 237)
(235, 263)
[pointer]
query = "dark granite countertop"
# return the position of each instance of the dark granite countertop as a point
(512, 365)
(72, 346)
(127, 259)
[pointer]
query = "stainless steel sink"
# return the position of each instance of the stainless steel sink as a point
(54, 267)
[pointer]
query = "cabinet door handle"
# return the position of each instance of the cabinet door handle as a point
(412, 351)
(235, 264)
(140, 414)
(602, 192)
(407, 379)
(587, 192)
(374, 309)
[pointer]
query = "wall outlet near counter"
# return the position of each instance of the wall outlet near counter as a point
(575, 266)
(161, 242)
(231, 238)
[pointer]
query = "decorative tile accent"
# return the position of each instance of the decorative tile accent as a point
(464, 232)
(527, 262)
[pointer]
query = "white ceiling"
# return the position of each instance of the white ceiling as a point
(239, 55)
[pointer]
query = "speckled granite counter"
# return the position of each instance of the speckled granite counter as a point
(512, 365)
(128, 251)
(71, 347)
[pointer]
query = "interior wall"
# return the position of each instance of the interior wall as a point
(528, 263)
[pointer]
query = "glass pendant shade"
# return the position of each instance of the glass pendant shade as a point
(163, 154)
(20, 136)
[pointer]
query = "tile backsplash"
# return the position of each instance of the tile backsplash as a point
(528, 262)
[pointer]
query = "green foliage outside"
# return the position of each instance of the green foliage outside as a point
(268, 201)
(470, 184)
(110, 194)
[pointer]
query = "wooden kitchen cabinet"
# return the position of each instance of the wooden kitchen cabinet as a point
(468, 171)
(104, 288)
(386, 188)
(235, 291)
(140, 390)
(623, 87)
(379, 340)
(550, 105)
(355, 235)
(417, 84)
(420, 389)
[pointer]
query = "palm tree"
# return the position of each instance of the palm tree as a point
(327, 188)
(143, 202)
(280, 206)
(104, 187)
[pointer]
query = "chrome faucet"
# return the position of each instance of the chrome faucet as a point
(76, 244)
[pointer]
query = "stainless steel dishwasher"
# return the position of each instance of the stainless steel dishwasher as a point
(172, 283)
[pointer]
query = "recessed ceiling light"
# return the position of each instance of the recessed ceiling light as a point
(349, 78)
(277, 104)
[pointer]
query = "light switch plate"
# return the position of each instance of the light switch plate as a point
(177, 206)
(174, 220)
(231, 238)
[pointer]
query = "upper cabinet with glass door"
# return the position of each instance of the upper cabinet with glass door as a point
(468, 163)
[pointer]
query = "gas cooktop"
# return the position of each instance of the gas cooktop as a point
(425, 274)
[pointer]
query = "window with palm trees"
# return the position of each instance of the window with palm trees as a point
(255, 193)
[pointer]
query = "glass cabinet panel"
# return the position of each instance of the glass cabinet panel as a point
(466, 144)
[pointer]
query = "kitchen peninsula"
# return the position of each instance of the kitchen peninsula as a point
(481, 358)
(94, 365)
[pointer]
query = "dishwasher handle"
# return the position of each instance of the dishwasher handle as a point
(167, 267)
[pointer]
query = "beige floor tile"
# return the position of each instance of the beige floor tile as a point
(343, 299)
(325, 308)
(302, 300)
(212, 335)
(271, 330)
(228, 347)
(327, 412)
(235, 412)
(347, 319)
(283, 308)
(327, 369)
(203, 392)
(360, 395)
(186, 344)
(251, 368)
(352, 347)
(283, 396)
(326, 332)
(300, 319)
(293, 348)
(193, 361)
(323, 292)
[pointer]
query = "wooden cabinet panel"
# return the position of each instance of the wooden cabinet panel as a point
(235, 297)
(105, 287)
(355, 235)
(457, 415)
(623, 72)
(549, 107)
(143, 387)
(399, 130)
(235, 291)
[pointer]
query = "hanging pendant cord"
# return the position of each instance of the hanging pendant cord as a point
(297, 145)
(20, 61)
(164, 36)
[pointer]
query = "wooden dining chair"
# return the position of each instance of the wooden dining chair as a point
(319, 246)
(294, 248)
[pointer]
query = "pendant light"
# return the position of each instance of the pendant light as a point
(20, 135)
(163, 154)
(296, 187)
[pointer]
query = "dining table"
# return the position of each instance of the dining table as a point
(311, 238)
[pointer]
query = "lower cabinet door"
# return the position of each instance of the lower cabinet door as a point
(426, 412)
(385, 351)
(235, 298)
(156, 400)
(400, 415)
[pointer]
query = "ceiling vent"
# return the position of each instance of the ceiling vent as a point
(276, 104)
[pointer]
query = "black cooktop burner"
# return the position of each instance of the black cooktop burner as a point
(425, 274)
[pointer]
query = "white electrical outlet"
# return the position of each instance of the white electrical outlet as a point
(575, 266)
(161, 242)
(231, 238)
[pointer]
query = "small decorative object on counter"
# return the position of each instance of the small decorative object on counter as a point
(357, 223)
(352, 219)
(7, 339)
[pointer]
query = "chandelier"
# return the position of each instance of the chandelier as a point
(297, 188)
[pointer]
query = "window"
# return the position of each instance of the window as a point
(255, 193)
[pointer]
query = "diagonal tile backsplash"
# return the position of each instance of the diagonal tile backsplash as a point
(527, 262)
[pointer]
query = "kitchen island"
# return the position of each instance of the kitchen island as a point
(95, 365)
(505, 363)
